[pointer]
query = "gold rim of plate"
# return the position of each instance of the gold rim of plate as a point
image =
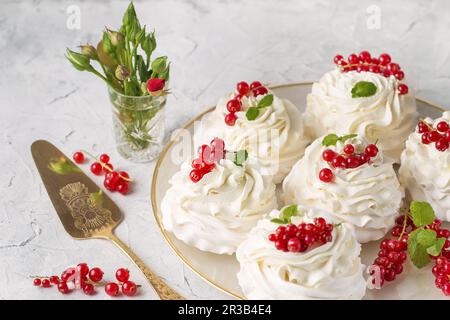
(167, 147)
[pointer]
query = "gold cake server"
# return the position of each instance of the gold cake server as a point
(84, 210)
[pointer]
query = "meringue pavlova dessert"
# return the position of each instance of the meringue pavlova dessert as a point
(253, 118)
(425, 164)
(300, 259)
(214, 202)
(351, 181)
(363, 95)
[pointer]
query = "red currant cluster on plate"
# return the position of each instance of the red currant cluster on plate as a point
(440, 135)
(207, 157)
(114, 180)
(349, 159)
(243, 89)
(364, 62)
(87, 279)
(299, 238)
(393, 254)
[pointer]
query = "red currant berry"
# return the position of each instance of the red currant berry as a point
(195, 175)
(320, 223)
(375, 61)
(242, 87)
(294, 245)
(109, 185)
(272, 237)
(255, 85)
(343, 63)
(393, 68)
(371, 150)
(54, 279)
(384, 59)
(104, 158)
(434, 136)
(442, 126)
(112, 289)
(339, 162)
(67, 274)
(96, 168)
(129, 288)
(384, 244)
(96, 274)
(63, 288)
(441, 281)
(422, 127)
(122, 188)
(349, 149)
(281, 245)
(46, 283)
(338, 58)
(398, 268)
(374, 69)
(230, 119)
(326, 175)
(441, 144)
(364, 56)
(363, 158)
(238, 97)
(402, 89)
(353, 59)
(260, 91)
(328, 155)
(113, 176)
(37, 282)
(233, 106)
(122, 275)
(425, 138)
(88, 289)
(83, 269)
(389, 275)
(446, 289)
(217, 144)
(400, 75)
(108, 167)
(197, 164)
(124, 175)
(352, 162)
(78, 157)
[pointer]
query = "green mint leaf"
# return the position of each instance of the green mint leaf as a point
(363, 89)
(347, 137)
(330, 140)
(436, 248)
(240, 157)
(288, 212)
(278, 221)
(266, 101)
(417, 250)
(422, 213)
(252, 113)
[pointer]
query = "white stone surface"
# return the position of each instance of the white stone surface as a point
(212, 45)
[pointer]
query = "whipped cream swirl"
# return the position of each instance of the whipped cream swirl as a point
(329, 271)
(425, 171)
(275, 138)
(386, 116)
(368, 196)
(216, 213)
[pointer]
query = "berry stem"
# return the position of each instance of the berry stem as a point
(406, 215)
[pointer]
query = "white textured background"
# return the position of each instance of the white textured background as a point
(212, 45)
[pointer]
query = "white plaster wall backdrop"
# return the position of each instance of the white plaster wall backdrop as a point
(212, 45)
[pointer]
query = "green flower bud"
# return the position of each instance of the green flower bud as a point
(122, 73)
(159, 65)
(115, 37)
(89, 51)
(78, 60)
(129, 15)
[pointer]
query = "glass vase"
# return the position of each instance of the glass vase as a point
(138, 124)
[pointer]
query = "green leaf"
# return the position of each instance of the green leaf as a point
(288, 212)
(240, 157)
(278, 221)
(422, 213)
(330, 140)
(347, 137)
(159, 65)
(363, 89)
(252, 113)
(96, 198)
(418, 243)
(436, 248)
(62, 166)
(266, 101)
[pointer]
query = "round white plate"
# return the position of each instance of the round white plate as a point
(220, 270)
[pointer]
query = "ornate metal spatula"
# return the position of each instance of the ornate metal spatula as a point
(84, 210)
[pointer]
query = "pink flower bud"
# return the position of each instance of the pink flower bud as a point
(155, 84)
